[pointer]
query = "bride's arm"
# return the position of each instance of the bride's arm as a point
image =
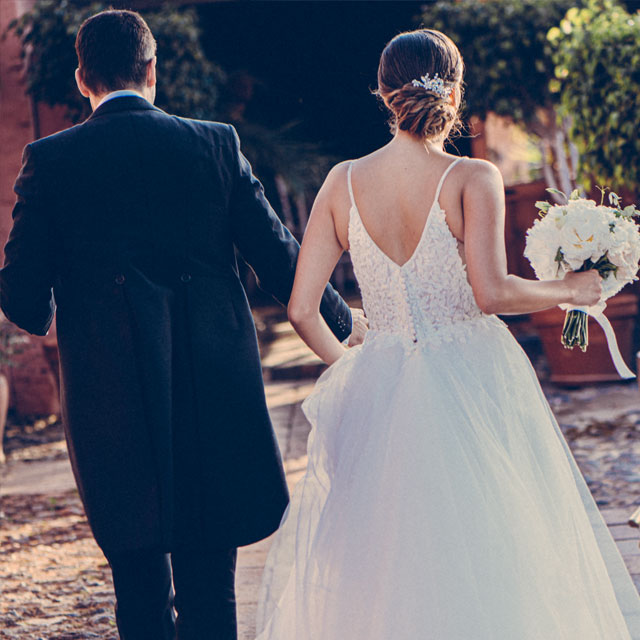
(321, 249)
(495, 290)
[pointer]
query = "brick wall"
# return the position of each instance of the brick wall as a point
(33, 386)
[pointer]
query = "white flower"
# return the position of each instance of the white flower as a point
(542, 246)
(578, 231)
(558, 215)
(584, 235)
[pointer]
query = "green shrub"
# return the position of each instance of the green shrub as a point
(189, 82)
(505, 49)
(597, 79)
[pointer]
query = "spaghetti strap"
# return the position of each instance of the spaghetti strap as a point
(444, 175)
(353, 201)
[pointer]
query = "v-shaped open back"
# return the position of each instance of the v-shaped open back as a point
(434, 205)
(425, 297)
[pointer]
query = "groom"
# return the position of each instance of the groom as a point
(132, 219)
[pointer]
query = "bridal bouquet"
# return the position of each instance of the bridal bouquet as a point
(581, 235)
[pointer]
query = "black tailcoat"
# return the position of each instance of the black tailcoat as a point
(132, 219)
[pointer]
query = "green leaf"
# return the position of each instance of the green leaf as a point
(556, 192)
(543, 205)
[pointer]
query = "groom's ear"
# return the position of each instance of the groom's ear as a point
(82, 87)
(151, 73)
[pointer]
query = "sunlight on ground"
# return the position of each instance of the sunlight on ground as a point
(287, 393)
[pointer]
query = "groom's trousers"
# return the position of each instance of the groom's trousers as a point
(204, 596)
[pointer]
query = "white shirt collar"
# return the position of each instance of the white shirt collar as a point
(120, 93)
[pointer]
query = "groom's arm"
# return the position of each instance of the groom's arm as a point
(26, 280)
(268, 246)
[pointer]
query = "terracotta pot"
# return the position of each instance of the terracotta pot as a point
(50, 352)
(573, 366)
(521, 213)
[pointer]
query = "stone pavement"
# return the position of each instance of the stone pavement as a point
(292, 429)
(54, 584)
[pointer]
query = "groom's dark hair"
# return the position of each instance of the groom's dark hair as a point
(114, 48)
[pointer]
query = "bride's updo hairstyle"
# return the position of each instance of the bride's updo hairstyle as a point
(427, 113)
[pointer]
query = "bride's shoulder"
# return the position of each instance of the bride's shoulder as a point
(479, 181)
(337, 179)
(482, 191)
(336, 183)
(480, 173)
(338, 173)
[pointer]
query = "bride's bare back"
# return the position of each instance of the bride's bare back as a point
(394, 189)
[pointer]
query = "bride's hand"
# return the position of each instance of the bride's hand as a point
(359, 328)
(585, 287)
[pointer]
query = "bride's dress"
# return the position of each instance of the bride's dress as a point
(441, 501)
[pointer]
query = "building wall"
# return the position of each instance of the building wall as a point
(33, 386)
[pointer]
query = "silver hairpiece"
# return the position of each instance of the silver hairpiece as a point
(435, 84)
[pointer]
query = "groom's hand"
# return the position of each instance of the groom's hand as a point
(359, 328)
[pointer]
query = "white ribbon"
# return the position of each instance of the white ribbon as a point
(597, 313)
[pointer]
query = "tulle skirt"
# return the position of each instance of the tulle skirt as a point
(441, 502)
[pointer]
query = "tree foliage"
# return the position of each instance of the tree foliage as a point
(597, 79)
(190, 82)
(506, 53)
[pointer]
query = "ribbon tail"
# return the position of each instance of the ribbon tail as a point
(614, 350)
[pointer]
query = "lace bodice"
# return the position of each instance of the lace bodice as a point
(428, 298)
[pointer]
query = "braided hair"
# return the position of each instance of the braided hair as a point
(409, 56)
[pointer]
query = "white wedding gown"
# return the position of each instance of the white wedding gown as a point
(441, 501)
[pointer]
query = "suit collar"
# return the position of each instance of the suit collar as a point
(123, 103)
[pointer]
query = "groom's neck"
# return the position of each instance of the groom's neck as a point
(144, 92)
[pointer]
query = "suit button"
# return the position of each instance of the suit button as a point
(185, 277)
(120, 279)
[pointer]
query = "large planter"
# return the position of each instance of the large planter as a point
(4, 407)
(521, 213)
(572, 366)
(34, 388)
(51, 355)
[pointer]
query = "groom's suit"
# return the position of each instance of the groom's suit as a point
(132, 220)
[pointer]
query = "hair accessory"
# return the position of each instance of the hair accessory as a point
(435, 84)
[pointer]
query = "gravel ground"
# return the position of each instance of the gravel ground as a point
(54, 582)
(602, 426)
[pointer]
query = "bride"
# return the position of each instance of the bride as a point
(441, 501)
